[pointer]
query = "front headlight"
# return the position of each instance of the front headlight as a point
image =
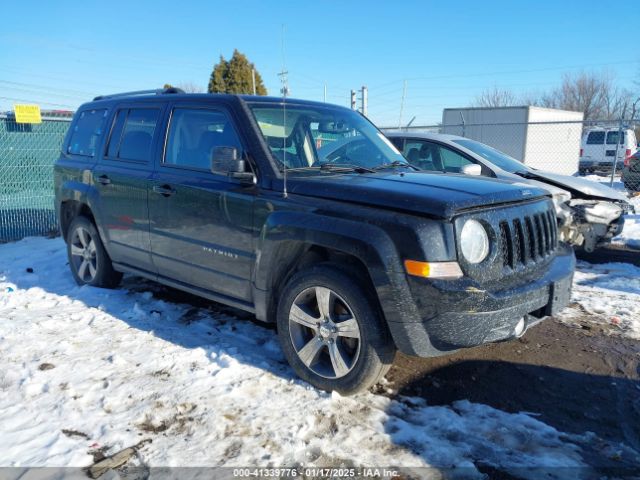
(474, 241)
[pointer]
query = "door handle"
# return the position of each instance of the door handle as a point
(164, 190)
(104, 180)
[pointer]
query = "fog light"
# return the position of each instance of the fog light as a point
(520, 327)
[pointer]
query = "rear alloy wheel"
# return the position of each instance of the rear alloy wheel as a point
(84, 257)
(89, 262)
(332, 332)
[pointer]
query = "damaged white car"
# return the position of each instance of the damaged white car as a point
(589, 214)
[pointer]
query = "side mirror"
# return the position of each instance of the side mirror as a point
(472, 169)
(225, 161)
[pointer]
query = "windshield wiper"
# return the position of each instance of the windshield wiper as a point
(395, 164)
(333, 167)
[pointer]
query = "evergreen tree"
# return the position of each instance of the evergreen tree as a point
(217, 82)
(234, 76)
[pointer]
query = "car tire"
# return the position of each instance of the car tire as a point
(332, 331)
(88, 260)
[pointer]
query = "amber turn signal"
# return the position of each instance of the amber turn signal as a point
(433, 269)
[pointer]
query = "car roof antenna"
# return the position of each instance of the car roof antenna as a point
(285, 91)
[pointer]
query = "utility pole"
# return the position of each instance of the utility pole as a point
(325, 93)
(253, 79)
(365, 100)
(353, 100)
(404, 93)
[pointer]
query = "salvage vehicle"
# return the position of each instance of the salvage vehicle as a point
(226, 197)
(589, 213)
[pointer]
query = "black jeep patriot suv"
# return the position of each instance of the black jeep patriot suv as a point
(354, 254)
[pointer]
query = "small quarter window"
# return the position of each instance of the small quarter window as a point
(132, 134)
(87, 132)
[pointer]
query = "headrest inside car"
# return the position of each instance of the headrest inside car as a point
(277, 142)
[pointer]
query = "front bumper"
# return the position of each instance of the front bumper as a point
(457, 315)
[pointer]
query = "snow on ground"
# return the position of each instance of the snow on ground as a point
(610, 294)
(86, 369)
(630, 235)
(606, 180)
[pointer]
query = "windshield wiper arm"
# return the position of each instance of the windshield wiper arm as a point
(333, 167)
(395, 164)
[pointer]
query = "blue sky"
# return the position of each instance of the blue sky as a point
(65, 52)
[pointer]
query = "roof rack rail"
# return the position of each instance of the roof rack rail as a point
(157, 91)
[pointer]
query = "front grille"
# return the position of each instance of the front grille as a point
(528, 239)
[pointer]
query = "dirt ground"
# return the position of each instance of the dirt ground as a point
(575, 378)
(582, 378)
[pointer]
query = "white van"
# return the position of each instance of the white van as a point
(598, 149)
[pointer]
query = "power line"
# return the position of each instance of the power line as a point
(51, 94)
(21, 84)
(504, 72)
(33, 101)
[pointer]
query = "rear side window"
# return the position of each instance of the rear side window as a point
(595, 138)
(194, 134)
(132, 134)
(612, 138)
(87, 132)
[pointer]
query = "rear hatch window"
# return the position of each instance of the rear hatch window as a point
(596, 138)
(612, 138)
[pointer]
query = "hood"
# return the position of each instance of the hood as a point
(526, 182)
(437, 195)
(577, 186)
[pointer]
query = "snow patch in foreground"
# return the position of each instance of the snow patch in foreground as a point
(609, 293)
(87, 369)
(630, 235)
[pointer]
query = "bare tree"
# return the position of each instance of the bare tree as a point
(594, 94)
(495, 97)
(583, 92)
(190, 87)
(618, 103)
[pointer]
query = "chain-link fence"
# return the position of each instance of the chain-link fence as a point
(27, 155)
(605, 148)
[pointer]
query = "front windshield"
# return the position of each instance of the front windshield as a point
(312, 137)
(502, 160)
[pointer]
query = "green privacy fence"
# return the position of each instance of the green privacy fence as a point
(27, 155)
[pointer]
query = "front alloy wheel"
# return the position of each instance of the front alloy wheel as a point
(332, 331)
(324, 332)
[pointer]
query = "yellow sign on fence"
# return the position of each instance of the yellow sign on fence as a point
(27, 113)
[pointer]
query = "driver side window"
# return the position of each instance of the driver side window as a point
(194, 134)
